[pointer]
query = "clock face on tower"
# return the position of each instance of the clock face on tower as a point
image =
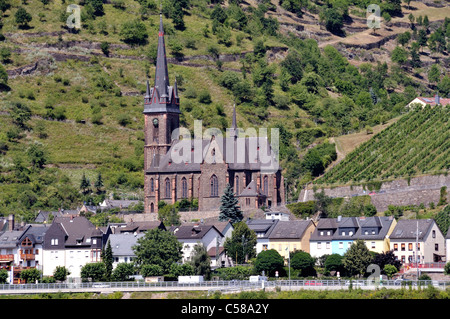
(155, 122)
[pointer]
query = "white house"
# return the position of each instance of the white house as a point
(430, 241)
(262, 228)
(71, 242)
(432, 101)
(122, 247)
(320, 242)
(191, 235)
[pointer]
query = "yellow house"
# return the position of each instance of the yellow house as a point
(375, 232)
(291, 235)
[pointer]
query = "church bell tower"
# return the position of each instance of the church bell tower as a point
(161, 108)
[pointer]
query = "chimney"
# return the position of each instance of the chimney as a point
(11, 222)
(437, 99)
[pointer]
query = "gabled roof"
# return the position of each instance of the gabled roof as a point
(35, 232)
(250, 190)
(383, 224)
(140, 227)
(122, 244)
(293, 229)
(78, 230)
(194, 232)
(432, 100)
(264, 226)
(9, 239)
(407, 228)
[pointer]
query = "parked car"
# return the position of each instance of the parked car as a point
(100, 285)
(355, 283)
(313, 283)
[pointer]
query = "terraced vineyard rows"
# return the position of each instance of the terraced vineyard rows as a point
(417, 143)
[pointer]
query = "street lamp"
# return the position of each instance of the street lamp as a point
(289, 266)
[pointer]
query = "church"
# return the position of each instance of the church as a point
(177, 167)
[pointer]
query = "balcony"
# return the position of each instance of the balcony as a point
(6, 258)
(27, 256)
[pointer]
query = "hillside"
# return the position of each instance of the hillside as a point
(72, 101)
(418, 143)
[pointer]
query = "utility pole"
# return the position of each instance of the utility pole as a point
(417, 251)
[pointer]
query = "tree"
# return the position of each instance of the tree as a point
(108, 259)
(269, 261)
(322, 202)
(3, 76)
(357, 258)
(151, 270)
(30, 275)
(134, 32)
(434, 74)
(97, 6)
(20, 114)
(37, 155)
(387, 258)
(181, 270)
(303, 261)
(333, 19)
(399, 55)
(334, 263)
(61, 273)
(99, 183)
(201, 262)
(3, 276)
(5, 54)
(422, 38)
(158, 247)
(168, 214)
(447, 268)
(122, 272)
(403, 38)
(85, 184)
(390, 270)
(104, 46)
(229, 208)
(93, 271)
(241, 244)
(178, 16)
(415, 57)
(23, 17)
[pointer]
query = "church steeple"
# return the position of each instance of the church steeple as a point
(162, 97)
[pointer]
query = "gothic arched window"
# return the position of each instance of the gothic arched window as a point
(184, 188)
(167, 192)
(152, 185)
(266, 185)
(214, 186)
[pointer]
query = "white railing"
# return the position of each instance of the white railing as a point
(217, 285)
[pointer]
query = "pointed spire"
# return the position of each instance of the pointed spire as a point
(159, 98)
(161, 73)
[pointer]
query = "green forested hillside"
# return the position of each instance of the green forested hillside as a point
(78, 108)
(418, 143)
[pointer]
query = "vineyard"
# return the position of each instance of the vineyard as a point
(418, 143)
